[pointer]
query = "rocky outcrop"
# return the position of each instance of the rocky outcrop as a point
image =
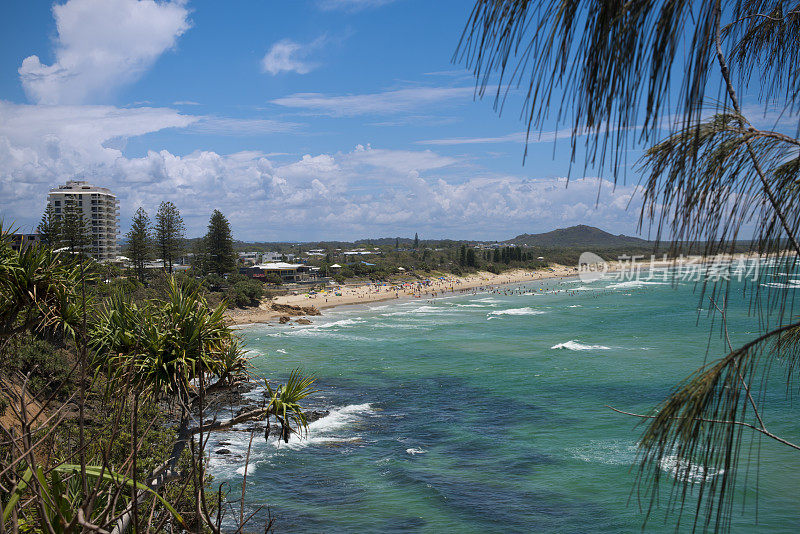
(303, 320)
(316, 414)
(288, 309)
(284, 319)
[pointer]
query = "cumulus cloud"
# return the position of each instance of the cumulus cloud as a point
(361, 192)
(290, 56)
(102, 45)
(386, 102)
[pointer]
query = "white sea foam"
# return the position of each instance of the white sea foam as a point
(333, 428)
(281, 351)
(575, 306)
(341, 323)
(518, 311)
(417, 450)
(576, 345)
(793, 284)
(328, 429)
(635, 284)
(685, 470)
(420, 310)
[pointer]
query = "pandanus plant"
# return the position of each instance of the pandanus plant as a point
(37, 290)
(283, 403)
(165, 345)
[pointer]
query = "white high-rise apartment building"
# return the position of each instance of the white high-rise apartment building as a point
(100, 211)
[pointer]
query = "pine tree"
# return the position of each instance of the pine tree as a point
(416, 241)
(74, 233)
(462, 257)
(471, 258)
(49, 228)
(220, 257)
(169, 233)
(396, 243)
(140, 242)
(496, 256)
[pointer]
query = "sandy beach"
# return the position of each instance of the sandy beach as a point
(366, 293)
(434, 287)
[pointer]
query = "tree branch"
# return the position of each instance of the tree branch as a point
(227, 423)
(716, 421)
(726, 75)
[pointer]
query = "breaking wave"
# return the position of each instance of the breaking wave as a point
(576, 345)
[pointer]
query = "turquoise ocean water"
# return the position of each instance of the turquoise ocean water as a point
(486, 412)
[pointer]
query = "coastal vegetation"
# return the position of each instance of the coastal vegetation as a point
(108, 400)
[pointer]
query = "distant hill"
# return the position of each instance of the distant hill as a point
(578, 236)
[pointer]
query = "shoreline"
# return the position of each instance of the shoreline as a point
(370, 292)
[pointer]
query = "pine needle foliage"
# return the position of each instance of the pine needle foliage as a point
(670, 76)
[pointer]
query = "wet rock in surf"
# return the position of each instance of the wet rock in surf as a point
(314, 415)
(288, 309)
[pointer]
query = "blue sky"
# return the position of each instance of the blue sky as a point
(301, 120)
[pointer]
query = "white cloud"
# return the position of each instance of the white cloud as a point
(401, 161)
(344, 195)
(397, 101)
(351, 5)
(101, 46)
(290, 56)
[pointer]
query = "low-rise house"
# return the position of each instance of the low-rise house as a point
(287, 271)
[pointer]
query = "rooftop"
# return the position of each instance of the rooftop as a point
(278, 265)
(79, 186)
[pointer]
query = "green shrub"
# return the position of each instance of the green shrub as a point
(244, 293)
(49, 366)
(273, 278)
(214, 282)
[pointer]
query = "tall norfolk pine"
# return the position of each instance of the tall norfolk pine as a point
(49, 228)
(218, 243)
(140, 242)
(169, 233)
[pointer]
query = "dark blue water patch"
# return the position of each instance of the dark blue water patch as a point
(436, 401)
(493, 506)
(617, 394)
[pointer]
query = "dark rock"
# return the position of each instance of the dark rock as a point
(223, 451)
(284, 319)
(315, 415)
(288, 309)
(303, 320)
